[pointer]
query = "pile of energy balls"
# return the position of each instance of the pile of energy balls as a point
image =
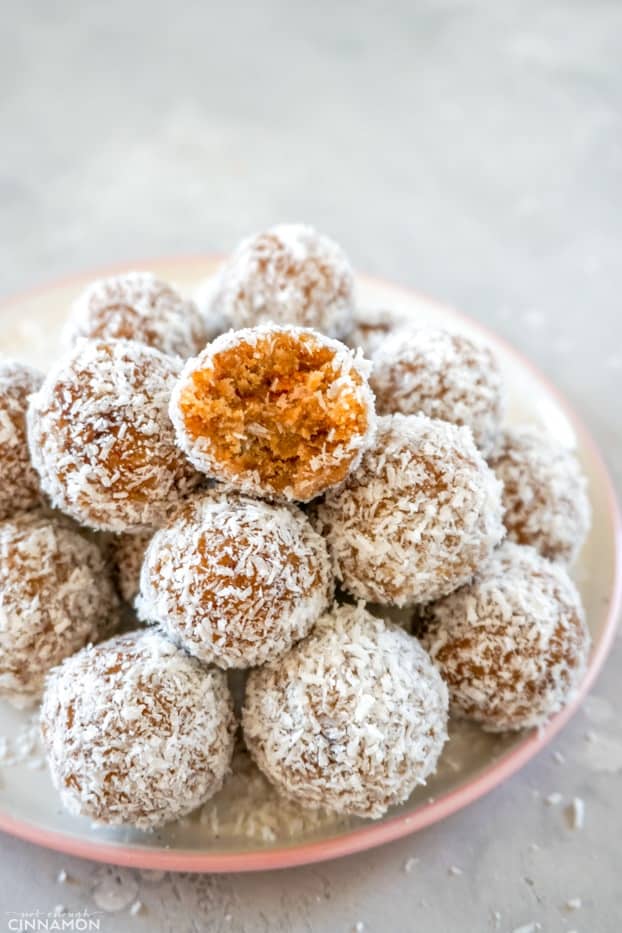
(259, 475)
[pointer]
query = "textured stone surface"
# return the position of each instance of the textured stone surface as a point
(469, 149)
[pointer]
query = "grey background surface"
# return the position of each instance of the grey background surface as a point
(470, 149)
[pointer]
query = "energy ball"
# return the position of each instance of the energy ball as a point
(290, 274)
(352, 719)
(236, 581)
(544, 493)
(278, 412)
(137, 306)
(19, 483)
(128, 553)
(442, 375)
(55, 596)
(512, 646)
(101, 438)
(417, 518)
(136, 732)
(371, 327)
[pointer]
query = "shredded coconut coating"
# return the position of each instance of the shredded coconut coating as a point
(352, 719)
(371, 327)
(277, 412)
(544, 493)
(102, 441)
(136, 732)
(442, 375)
(19, 483)
(290, 274)
(513, 645)
(55, 596)
(128, 553)
(236, 581)
(137, 306)
(418, 517)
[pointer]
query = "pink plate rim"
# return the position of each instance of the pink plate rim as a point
(367, 837)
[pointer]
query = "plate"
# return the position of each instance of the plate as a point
(260, 832)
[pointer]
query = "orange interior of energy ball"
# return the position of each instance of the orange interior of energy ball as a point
(273, 407)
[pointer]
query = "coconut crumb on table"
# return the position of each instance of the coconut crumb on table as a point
(576, 813)
(574, 903)
(115, 890)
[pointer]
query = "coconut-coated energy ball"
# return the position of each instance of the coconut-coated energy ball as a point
(417, 518)
(512, 646)
(136, 732)
(371, 327)
(279, 412)
(127, 554)
(19, 483)
(55, 596)
(102, 441)
(544, 493)
(442, 375)
(352, 719)
(290, 274)
(137, 306)
(234, 580)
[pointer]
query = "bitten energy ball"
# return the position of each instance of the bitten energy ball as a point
(236, 581)
(275, 411)
(101, 438)
(352, 719)
(55, 596)
(128, 553)
(512, 646)
(290, 274)
(442, 375)
(137, 306)
(417, 518)
(136, 732)
(544, 493)
(19, 483)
